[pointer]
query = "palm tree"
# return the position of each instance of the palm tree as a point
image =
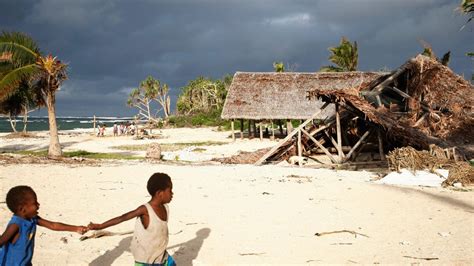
(279, 67)
(345, 56)
(45, 72)
(467, 7)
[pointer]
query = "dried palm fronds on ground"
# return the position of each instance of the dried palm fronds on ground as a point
(22, 135)
(460, 172)
(412, 159)
(29, 159)
(243, 157)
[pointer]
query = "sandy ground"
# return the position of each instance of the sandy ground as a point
(241, 214)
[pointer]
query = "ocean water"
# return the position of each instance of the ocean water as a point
(64, 123)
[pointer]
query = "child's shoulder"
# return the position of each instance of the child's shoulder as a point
(19, 220)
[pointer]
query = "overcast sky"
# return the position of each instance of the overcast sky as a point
(112, 45)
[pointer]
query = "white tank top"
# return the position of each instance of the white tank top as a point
(149, 245)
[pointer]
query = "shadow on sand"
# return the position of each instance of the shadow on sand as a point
(184, 256)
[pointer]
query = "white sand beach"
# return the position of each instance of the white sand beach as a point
(239, 214)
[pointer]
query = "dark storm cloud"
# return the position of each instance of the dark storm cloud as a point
(112, 45)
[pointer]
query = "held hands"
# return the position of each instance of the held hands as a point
(93, 226)
(82, 230)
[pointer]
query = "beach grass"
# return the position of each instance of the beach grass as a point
(168, 147)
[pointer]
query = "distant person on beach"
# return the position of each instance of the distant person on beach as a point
(150, 237)
(122, 128)
(115, 129)
(18, 241)
(102, 130)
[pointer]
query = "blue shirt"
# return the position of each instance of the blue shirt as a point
(20, 252)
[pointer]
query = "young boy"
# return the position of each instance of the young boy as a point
(18, 240)
(150, 237)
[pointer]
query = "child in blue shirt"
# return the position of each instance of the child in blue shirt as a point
(18, 241)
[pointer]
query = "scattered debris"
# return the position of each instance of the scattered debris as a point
(340, 231)
(421, 258)
(251, 254)
(243, 157)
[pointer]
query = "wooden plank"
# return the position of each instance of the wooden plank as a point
(348, 156)
(320, 146)
(378, 89)
(283, 141)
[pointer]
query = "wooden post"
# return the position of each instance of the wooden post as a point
(280, 126)
(289, 127)
(338, 132)
(381, 152)
(261, 130)
(241, 129)
(94, 125)
(250, 129)
(254, 134)
(273, 131)
(299, 148)
(232, 126)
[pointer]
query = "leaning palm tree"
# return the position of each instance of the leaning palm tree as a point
(46, 72)
(345, 57)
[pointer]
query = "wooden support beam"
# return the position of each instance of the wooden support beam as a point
(241, 129)
(232, 126)
(250, 129)
(348, 156)
(289, 126)
(300, 163)
(339, 150)
(320, 146)
(378, 89)
(381, 152)
(254, 134)
(338, 133)
(273, 131)
(261, 130)
(283, 141)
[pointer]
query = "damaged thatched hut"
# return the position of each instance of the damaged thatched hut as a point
(419, 104)
(266, 97)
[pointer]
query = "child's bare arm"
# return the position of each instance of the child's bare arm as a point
(9, 233)
(119, 219)
(56, 226)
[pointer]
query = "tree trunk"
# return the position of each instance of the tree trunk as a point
(25, 118)
(54, 146)
(12, 122)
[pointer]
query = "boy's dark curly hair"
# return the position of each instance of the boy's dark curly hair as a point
(16, 196)
(158, 182)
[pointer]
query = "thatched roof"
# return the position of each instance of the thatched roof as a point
(265, 96)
